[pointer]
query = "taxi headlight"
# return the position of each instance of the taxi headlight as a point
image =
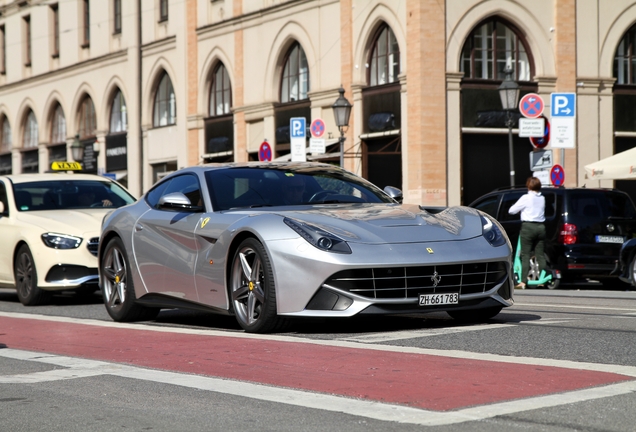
(61, 241)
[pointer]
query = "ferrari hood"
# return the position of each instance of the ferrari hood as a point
(74, 222)
(382, 223)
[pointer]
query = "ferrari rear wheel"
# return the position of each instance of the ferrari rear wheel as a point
(252, 289)
(475, 315)
(26, 279)
(117, 286)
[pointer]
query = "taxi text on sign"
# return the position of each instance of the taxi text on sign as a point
(298, 138)
(563, 112)
(66, 166)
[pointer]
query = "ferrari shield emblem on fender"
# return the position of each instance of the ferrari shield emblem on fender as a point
(429, 250)
(204, 222)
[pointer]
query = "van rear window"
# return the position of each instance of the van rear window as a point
(600, 205)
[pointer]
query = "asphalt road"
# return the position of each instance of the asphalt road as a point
(559, 360)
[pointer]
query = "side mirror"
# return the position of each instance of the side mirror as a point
(394, 193)
(2, 209)
(177, 201)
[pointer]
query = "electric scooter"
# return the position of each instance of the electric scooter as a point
(546, 279)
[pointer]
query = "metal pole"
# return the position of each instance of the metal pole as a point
(342, 140)
(510, 151)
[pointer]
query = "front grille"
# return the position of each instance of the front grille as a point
(93, 245)
(409, 282)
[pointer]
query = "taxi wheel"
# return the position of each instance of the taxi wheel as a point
(26, 279)
(252, 289)
(117, 286)
(476, 315)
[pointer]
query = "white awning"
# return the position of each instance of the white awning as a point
(616, 167)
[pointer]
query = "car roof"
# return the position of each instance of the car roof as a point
(267, 165)
(26, 178)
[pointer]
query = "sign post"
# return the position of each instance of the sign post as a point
(563, 119)
(265, 152)
(298, 138)
(317, 142)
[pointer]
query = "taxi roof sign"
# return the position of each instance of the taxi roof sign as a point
(66, 166)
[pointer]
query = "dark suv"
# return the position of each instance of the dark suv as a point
(585, 228)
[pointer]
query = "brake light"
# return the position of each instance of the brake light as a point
(568, 234)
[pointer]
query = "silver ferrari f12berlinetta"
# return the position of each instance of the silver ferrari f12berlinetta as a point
(269, 241)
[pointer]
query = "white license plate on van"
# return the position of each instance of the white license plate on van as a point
(609, 239)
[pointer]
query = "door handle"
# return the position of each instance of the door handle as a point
(139, 227)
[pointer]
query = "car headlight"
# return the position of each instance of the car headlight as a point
(319, 238)
(61, 241)
(492, 232)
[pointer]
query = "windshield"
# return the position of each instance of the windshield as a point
(258, 187)
(69, 194)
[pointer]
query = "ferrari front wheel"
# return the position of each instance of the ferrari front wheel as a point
(117, 286)
(252, 290)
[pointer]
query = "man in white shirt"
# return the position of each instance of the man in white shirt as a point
(532, 208)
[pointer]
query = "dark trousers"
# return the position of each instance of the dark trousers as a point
(532, 238)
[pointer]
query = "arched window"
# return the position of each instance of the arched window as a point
(490, 49)
(385, 58)
(295, 83)
(87, 120)
(220, 92)
(165, 110)
(58, 126)
(118, 114)
(625, 59)
(30, 138)
(5, 137)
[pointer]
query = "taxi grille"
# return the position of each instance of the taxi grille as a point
(409, 282)
(93, 245)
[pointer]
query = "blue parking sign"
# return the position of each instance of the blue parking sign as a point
(563, 104)
(297, 126)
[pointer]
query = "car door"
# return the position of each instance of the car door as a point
(8, 234)
(511, 223)
(164, 243)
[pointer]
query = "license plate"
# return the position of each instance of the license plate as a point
(438, 299)
(609, 239)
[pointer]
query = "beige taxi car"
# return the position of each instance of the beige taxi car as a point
(50, 226)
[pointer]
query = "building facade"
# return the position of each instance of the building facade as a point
(149, 86)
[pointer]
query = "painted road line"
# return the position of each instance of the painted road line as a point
(413, 334)
(559, 306)
(431, 382)
(368, 409)
(611, 368)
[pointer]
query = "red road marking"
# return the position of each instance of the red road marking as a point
(417, 380)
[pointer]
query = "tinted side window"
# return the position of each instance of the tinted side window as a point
(187, 185)
(508, 200)
(550, 205)
(600, 205)
(489, 205)
(152, 197)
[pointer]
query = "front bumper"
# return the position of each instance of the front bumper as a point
(301, 271)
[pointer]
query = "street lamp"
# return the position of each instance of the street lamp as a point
(341, 111)
(77, 149)
(509, 94)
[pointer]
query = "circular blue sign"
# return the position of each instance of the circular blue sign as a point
(557, 175)
(265, 152)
